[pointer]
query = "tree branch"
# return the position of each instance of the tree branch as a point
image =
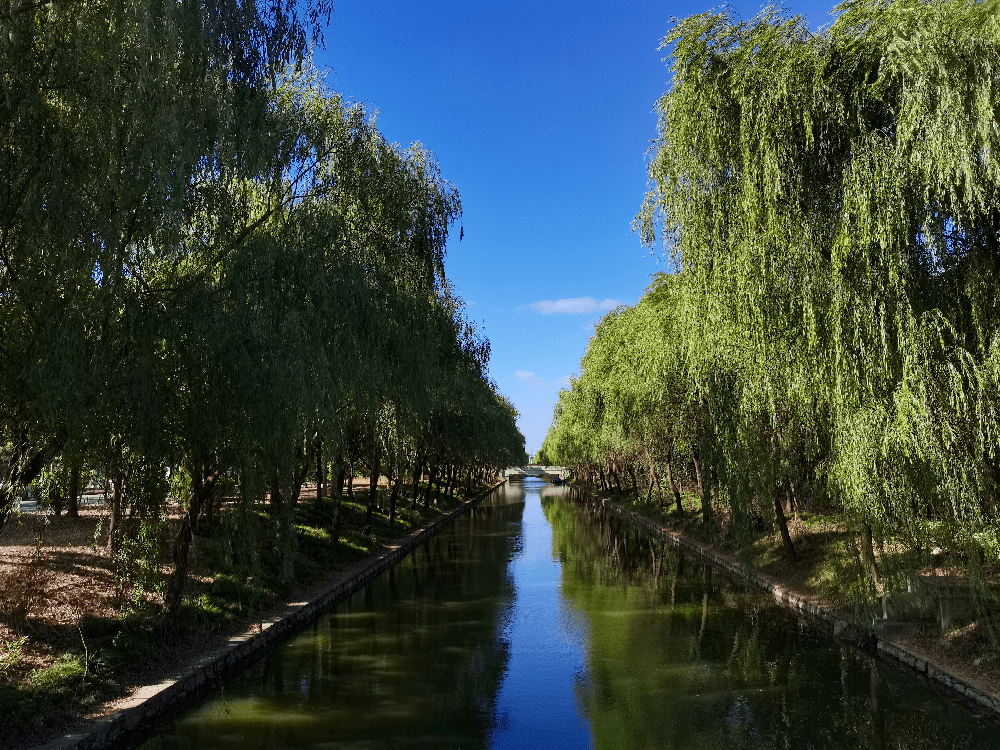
(25, 8)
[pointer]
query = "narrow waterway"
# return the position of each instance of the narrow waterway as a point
(531, 624)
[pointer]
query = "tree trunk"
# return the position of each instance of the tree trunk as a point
(73, 509)
(200, 483)
(653, 479)
(604, 482)
(395, 493)
(697, 472)
(868, 552)
(373, 482)
(450, 486)
(208, 502)
(304, 461)
(319, 472)
(704, 490)
(116, 511)
(618, 484)
(275, 493)
(786, 538)
(57, 499)
(338, 510)
(673, 488)
(430, 486)
(418, 471)
(341, 477)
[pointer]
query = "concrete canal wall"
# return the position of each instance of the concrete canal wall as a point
(152, 705)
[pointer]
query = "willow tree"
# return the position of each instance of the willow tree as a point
(113, 114)
(318, 293)
(831, 202)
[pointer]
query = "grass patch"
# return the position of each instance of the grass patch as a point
(48, 694)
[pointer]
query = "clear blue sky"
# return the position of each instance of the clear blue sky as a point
(540, 114)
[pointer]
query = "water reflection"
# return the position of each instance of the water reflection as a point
(535, 622)
(547, 638)
(679, 659)
(413, 660)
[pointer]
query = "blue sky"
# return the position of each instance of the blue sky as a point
(540, 113)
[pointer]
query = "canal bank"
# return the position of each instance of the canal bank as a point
(151, 704)
(811, 607)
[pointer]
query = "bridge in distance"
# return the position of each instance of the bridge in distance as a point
(516, 473)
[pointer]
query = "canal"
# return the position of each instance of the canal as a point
(530, 624)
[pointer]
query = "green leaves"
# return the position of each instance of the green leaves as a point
(830, 203)
(210, 260)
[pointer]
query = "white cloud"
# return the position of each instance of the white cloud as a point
(574, 306)
(531, 379)
(536, 382)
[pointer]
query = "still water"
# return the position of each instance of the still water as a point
(532, 624)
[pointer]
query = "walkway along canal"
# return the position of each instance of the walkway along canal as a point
(531, 622)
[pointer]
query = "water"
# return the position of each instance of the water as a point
(529, 624)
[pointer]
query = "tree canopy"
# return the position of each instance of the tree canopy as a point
(829, 203)
(214, 268)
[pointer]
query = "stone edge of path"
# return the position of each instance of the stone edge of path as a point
(814, 608)
(152, 704)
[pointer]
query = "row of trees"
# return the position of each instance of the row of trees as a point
(213, 270)
(830, 336)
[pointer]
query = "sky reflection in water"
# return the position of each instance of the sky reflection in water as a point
(547, 638)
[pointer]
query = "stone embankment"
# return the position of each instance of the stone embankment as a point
(813, 608)
(152, 705)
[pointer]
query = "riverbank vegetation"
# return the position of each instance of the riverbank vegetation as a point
(827, 345)
(218, 282)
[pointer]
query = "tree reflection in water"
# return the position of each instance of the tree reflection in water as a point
(608, 638)
(679, 658)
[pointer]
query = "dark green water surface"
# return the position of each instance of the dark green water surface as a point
(531, 624)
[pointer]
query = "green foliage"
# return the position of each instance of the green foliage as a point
(136, 560)
(61, 678)
(830, 206)
(218, 277)
(10, 657)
